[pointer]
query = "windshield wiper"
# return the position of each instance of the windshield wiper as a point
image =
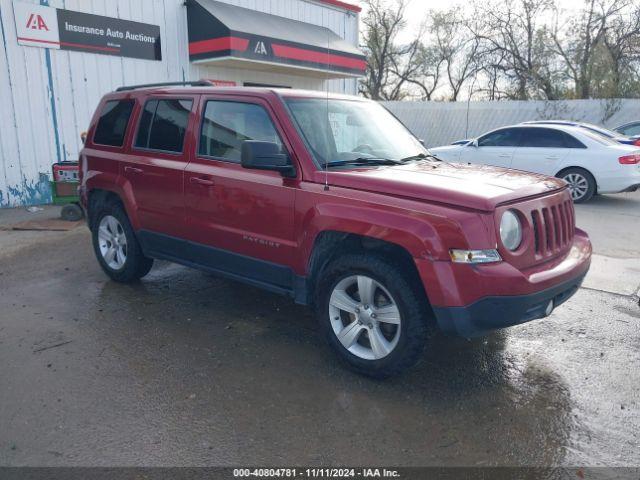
(420, 156)
(364, 161)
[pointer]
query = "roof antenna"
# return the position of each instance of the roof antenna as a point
(326, 83)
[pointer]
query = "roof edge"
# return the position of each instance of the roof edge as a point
(340, 4)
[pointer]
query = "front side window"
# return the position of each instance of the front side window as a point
(113, 122)
(508, 137)
(163, 124)
(338, 131)
(225, 125)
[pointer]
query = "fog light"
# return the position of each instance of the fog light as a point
(474, 256)
(549, 309)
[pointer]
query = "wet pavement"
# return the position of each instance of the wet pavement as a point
(188, 369)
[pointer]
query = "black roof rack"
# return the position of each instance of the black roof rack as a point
(197, 83)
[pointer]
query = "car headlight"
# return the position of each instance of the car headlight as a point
(510, 230)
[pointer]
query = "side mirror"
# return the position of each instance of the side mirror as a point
(473, 143)
(421, 140)
(83, 137)
(266, 156)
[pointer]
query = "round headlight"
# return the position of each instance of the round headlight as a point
(510, 230)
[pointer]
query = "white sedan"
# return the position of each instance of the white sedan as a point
(587, 161)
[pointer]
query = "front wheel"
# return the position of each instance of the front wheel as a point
(582, 185)
(372, 314)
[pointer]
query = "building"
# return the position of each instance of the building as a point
(59, 57)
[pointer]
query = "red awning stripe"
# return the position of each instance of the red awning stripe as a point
(217, 44)
(301, 54)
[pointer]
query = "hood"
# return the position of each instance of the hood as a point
(477, 187)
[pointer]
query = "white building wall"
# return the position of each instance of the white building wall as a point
(47, 96)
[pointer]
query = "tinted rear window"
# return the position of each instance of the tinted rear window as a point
(542, 138)
(113, 122)
(163, 124)
(573, 142)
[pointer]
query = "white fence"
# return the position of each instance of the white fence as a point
(440, 123)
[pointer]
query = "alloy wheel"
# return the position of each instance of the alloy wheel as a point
(364, 316)
(578, 185)
(112, 242)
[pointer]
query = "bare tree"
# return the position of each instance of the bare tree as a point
(382, 24)
(580, 41)
(491, 75)
(515, 31)
(457, 49)
(622, 42)
(519, 49)
(427, 71)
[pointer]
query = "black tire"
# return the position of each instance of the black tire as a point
(71, 212)
(577, 172)
(415, 327)
(136, 264)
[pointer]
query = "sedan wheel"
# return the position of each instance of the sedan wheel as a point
(112, 242)
(578, 185)
(365, 318)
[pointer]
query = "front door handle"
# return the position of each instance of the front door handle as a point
(133, 170)
(202, 181)
(551, 157)
(505, 155)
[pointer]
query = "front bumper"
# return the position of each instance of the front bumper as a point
(491, 313)
(471, 300)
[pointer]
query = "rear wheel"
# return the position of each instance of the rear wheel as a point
(116, 246)
(372, 315)
(582, 185)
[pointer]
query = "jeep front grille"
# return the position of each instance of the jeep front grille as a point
(553, 228)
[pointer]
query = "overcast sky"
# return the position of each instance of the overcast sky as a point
(417, 9)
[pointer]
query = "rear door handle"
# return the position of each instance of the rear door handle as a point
(202, 181)
(505, 155)
(551, 157)
(133, 170)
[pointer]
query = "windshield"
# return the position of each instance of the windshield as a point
(340, 131)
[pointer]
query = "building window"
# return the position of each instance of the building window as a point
(163, 124)
(112, 126)
(226, 125)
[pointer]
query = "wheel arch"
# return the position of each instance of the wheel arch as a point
(98, 196)
(564, 169)
(331, 244)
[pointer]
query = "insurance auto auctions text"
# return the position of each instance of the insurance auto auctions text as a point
(101, 32)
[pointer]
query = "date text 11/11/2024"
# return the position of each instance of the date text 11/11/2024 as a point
(315, 473)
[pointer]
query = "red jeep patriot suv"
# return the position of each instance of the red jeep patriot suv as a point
(330, 200)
